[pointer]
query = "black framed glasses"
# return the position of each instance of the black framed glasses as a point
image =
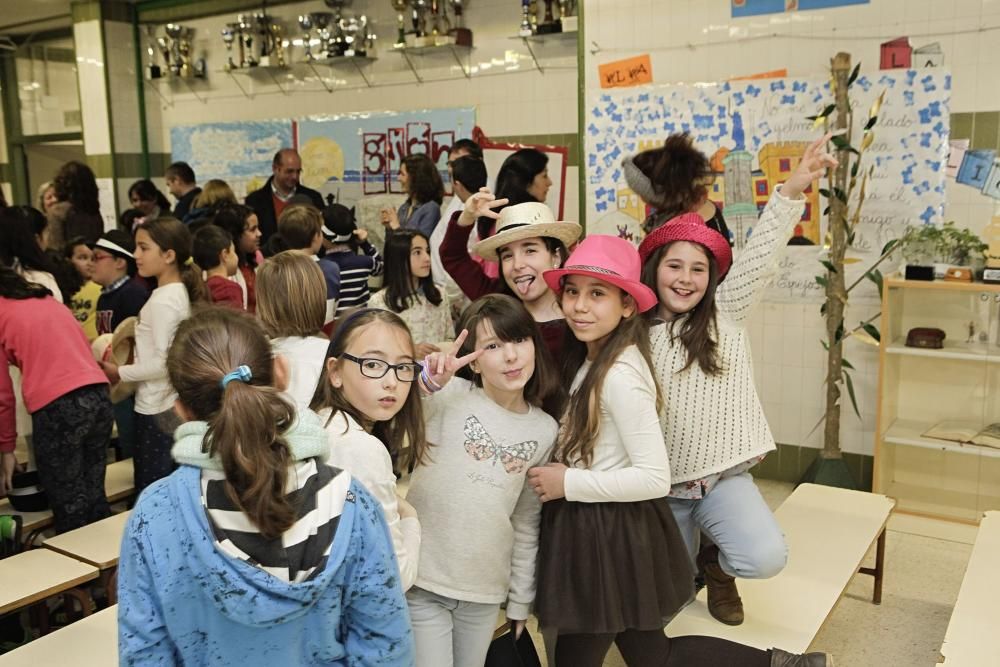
(376, 368)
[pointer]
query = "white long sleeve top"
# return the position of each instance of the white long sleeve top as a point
(167, 307)
(629, 461)
(364, 456)
(712, 423)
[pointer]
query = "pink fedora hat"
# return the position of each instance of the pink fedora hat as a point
(689, 227)
(611, 259)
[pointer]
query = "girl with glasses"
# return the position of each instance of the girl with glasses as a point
(369, 403)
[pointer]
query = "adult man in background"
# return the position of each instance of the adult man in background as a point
(271, 200)
(182, 185)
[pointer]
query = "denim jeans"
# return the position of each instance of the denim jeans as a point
(449, 632)
(735, 517)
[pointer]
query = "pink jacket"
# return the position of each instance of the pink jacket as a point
(43, 339)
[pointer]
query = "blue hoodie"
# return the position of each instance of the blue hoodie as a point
(182, 601)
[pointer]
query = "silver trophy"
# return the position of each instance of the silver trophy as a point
(525, 28)
(322, 22)
(400, 6)
(153, 70)
(463, 36)
(248, 27)
(339, 47)
(356, 36)
(420, 11)
(172, 48)
(228, 38)
(306, 24)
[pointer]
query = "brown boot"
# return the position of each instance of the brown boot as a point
(724, 603)
(781, 658)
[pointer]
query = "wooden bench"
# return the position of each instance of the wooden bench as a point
(829, 531)
(973, 635)
(36, 575)
(90, 641)
(119, 485)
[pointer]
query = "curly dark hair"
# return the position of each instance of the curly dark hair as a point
(76, 184)
(679, 175)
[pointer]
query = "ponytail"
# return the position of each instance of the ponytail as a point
(191, 279)
(246, 435)
(247, 420)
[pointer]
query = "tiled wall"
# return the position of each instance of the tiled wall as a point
(691, 41)
(512, 98)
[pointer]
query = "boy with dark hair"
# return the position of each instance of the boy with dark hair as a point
(342, 239)
(181, 184)
(212, 249)
(114, 269)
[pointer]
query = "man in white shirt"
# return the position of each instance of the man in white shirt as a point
(471, 182)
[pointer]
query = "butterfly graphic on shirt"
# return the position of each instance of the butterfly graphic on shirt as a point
(480, 445)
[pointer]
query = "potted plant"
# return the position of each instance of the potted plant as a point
(927, 247)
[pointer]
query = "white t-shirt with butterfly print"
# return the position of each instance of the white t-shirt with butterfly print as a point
(479, 518)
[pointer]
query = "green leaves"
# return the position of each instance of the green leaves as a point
(830, 108)
(822, 281)
(829, 265)
(872, 331)
(888, 247)
(854, 75)
(850, 392)
(875, 276)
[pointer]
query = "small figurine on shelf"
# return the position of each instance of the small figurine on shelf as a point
(228, 37)
(525, 29)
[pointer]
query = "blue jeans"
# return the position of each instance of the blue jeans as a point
(735, 517)
(449, 632)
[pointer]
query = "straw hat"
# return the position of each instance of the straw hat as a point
(525, 221)
(117, 347)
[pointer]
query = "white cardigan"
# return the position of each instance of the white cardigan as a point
(712, 423)
(364, 456)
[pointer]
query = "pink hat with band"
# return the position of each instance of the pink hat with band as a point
(611, 259)
(692, 228)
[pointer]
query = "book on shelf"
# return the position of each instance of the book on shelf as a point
(966, 433)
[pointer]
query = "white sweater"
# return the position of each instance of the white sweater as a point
(364, 456)
(167, 307)
(305, 355)
(712, 423)
(478, 514)
(629, 461)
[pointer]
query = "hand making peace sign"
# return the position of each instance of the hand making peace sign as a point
(442, 366)
(479, 205)
(813, 165)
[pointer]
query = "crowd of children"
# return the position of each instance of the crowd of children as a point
(579, 435)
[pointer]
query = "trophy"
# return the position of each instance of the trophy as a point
(322, 22)
(339, 42)
(435, 11)
(400, 7)
(153, 70)
(370, 37)
(247, 26)
(172, 48)
(228, 37)
(463, 36)
(525, 29)
(549, 24)
(351, 29)
(277, 44)
(420, 10)
(305, 22)
(568, 20)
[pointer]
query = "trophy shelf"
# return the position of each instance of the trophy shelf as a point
(457, 51)
(358, 62)
(194, 84)
(558, 39)
(258, 72)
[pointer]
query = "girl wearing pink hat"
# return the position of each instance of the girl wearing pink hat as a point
(612, 565)
(713, 423)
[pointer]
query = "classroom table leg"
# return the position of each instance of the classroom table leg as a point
(878, 572)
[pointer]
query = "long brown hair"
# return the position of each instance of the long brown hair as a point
(246, 421)
(510, 321)
(172, 234)
(408, 422)
(698, 330)
(582, 422)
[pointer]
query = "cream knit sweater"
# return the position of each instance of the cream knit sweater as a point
(712, 423)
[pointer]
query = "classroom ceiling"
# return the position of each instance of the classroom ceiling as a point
(18, 17)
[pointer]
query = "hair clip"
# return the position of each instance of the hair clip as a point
(242, 374)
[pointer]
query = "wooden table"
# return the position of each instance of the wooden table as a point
(97, 544)
(119, 481)
(972, 637)
(829, 531)
(90, 642)
(35, 575)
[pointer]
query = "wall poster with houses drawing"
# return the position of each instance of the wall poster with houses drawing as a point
(755, 132)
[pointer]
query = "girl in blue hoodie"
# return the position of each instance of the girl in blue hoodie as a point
(254, 552)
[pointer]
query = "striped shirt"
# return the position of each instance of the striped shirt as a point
(355, 270)
(318, 493)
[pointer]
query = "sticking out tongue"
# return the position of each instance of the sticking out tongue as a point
(523, 286)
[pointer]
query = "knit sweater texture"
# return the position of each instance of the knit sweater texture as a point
(712, 423)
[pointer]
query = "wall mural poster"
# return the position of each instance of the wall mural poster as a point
(354, 155)
(239, 153)
(755, 132)
(758, 7)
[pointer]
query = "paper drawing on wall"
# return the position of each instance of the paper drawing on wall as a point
(896, 54)
(755, 132)
(322, 161)
(930, 55)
